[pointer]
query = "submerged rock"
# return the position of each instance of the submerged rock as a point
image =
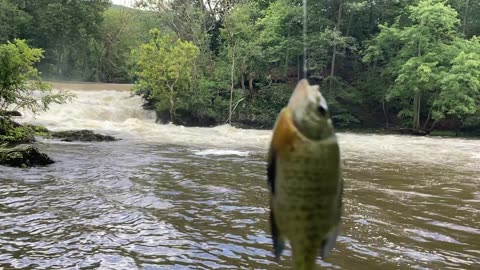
(82, 136)
(23, 156)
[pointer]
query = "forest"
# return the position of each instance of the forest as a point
(409, 65)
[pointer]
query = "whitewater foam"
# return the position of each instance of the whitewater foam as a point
(120, 114)
(221, 152)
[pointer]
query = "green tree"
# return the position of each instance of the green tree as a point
(240, 49)
(424, 61)
(68, 31)
(13, 21)
(280, 37)
(123, 29)
(165, 68)
(20, 83)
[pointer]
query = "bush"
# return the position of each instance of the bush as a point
(22, 88)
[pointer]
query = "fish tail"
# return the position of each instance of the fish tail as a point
(304, 259)
(305, 264)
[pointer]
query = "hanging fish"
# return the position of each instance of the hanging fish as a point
(304, 178)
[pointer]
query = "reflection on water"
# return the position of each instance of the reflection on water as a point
(169, 197)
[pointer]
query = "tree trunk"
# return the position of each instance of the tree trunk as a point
(417, 100)
(251, 76)
(416, 110)
(337, 28)
(244, 71)
(428, 119)
(465, 16)
(349, 26)
(298, 68)
(172, 106)
(231, 87)
(60, 60)
(385, 113)
(286, 56)
(243, 81)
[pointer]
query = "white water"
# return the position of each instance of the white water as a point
(220, 152)
(120, 114)
(138, 203)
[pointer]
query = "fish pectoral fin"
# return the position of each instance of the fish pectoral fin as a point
(278, 242)
(329, 242)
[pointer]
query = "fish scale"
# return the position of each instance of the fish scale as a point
(308, 204)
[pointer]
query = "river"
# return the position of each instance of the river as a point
(171, 197)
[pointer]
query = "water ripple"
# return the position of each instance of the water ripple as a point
(137, 205)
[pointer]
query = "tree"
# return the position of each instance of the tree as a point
(13, 21)
(123, 29)
(426, 62)
(68, 31)
(280, 38)
(165, 68)
(20, 84)
(238, 34)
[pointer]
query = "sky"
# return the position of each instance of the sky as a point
(123, 2)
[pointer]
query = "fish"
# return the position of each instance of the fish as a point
(304, 178)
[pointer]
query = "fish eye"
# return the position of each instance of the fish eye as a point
(322, 110)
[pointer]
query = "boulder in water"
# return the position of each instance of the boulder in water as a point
(12, 133)
(10, 113)
(82, 136)
(23, 156)
(413, 131)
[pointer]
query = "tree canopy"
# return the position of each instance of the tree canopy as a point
(381, 63)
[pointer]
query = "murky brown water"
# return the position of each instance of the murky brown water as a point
(168, 197)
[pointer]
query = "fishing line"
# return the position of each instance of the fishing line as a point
(305, 39)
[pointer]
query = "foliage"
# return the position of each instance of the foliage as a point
(165, 67)
(379, 63)
(13, 21)
(122, 30)
(430, 64)
(68, 32)
(20, 84)
(13, 133)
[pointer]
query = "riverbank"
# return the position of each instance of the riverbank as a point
(17, 141)
(89, 86)
(434, 133)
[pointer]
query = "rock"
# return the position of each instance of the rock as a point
(38, 130)
(10, 113)
(23, 156)
(412, 131)
(12, 133)
(82, 136)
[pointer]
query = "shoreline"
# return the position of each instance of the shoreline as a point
(89, 86)
(99, 86)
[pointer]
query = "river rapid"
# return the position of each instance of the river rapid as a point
(172, 197)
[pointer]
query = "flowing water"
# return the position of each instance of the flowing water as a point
(170, 197)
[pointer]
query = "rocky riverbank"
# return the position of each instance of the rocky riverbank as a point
(16, 142)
